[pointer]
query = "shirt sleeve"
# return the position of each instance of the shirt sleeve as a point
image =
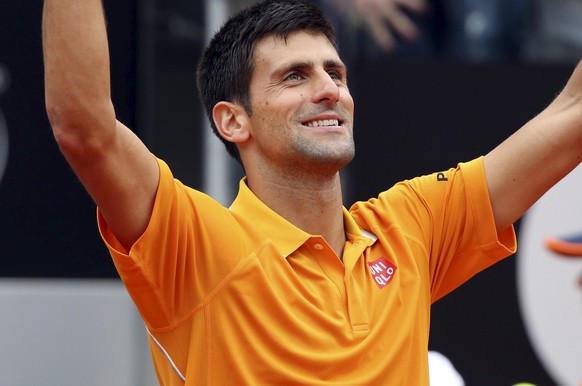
(465, 240)
(166, 271)
(447, 217)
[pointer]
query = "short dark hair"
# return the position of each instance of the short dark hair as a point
(226, 67)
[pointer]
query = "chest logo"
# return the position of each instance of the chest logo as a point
(382, 271)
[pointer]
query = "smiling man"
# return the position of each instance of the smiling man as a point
(286, 286)
(297, 133)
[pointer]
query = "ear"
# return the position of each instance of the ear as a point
(231, 121)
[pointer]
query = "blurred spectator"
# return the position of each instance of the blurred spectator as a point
(556, 31)
(463, 29)
(486, 29)
(386, 21)
(384, 28)
(474, 30)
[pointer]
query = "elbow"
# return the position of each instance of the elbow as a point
(57, 123)
(78, 132)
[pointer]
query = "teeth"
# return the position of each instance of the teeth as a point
(323, 122)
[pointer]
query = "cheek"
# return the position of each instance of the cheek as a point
(348, 100)
(270, 110)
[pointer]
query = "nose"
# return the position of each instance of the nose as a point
(326, 89)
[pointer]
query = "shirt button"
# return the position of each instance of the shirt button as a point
(318, 246)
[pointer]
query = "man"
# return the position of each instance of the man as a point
(286, 286)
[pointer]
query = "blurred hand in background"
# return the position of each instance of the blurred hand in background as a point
(385, 20)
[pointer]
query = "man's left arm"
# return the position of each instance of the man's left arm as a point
(526, 165)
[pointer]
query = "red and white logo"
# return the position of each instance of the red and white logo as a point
(383, 271)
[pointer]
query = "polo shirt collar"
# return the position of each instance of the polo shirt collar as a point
(286, 236)
(354, 232)
(282, 233)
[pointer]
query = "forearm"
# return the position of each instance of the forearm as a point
(76, 62)
(531, 161)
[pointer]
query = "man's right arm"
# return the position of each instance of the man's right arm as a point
(115, 167)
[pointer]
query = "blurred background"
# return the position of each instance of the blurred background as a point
(445, 85)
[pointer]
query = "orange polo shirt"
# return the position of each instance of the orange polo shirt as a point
(240, 296)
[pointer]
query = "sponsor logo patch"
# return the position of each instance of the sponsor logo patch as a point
(382, 271)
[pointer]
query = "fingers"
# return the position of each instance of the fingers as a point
(386, 19)
(417, 6)
(381, 33)
(400, 21)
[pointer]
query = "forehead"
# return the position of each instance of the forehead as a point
(275, 50)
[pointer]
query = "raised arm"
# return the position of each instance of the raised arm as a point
(115, 167)
(537, 156)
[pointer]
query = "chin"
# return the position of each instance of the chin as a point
(334, 162)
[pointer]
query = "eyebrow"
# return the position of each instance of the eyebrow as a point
(301, 65)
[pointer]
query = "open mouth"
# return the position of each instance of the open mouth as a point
(323, 123)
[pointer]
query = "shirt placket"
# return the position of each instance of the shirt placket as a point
(340, 273)
(354, 286)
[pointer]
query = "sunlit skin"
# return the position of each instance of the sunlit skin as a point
(299, 133)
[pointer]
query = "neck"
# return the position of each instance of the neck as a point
(312, 204)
